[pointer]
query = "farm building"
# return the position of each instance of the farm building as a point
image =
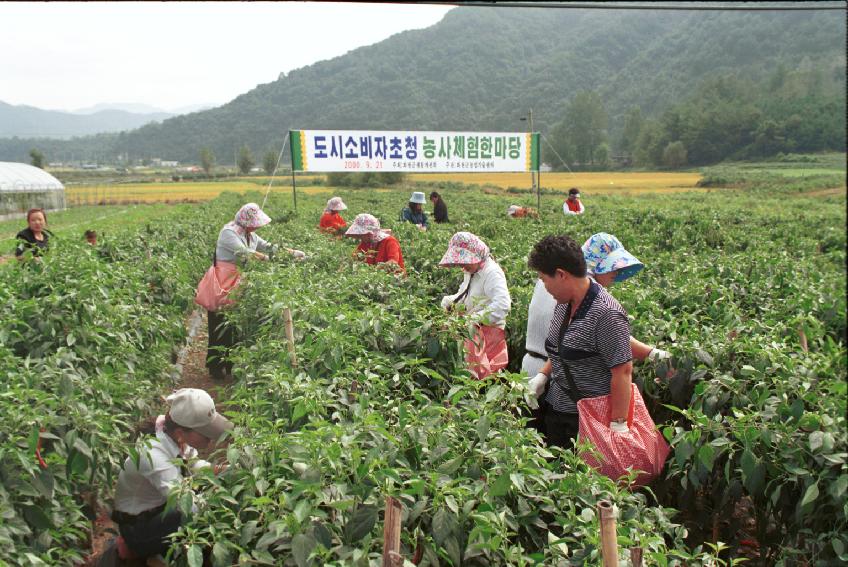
(24, 186)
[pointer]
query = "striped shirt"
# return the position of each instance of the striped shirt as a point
(597, 340)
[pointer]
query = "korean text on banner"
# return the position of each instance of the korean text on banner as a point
(405, 151)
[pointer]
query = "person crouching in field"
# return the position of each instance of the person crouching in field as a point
(440, 209)
(167, 455)
(573, 205)
(376, 246)
(90, 237)
(516, 212)
(414, 213)
(486, 299)
(331, 221)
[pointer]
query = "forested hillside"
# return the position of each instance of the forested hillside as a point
(664, 77)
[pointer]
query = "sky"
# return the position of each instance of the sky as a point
(67, 56)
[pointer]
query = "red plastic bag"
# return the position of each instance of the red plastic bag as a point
(219, 280)
(486, 353)
(642, 448)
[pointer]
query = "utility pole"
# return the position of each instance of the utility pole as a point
(533, 178)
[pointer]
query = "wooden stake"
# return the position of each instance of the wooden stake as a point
(287, 316)
(803, 336)
(609, 543)
(636, 556)
(391, 533)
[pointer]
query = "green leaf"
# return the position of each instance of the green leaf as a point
(361, 523)
(810, 494)
(443, 525)
(483, 428)
(501, 486)
(302, 546)
(706, 455)
(221, 555)
(37, 518)
(194, 556)
(816, 440)
(704, 357)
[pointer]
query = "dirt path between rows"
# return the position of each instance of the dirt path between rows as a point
(191, 362)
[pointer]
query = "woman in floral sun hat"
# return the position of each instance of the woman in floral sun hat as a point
(376, 246)
(331, 221)
(237, 243)
(486, 299)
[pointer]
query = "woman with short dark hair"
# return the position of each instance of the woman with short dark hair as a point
(588, 345)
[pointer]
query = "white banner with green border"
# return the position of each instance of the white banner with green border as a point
(414, 152)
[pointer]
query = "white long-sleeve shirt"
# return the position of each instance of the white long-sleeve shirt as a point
(488, 301)
(145, 485)
(539, 316)
(232, 247)
(568, 211)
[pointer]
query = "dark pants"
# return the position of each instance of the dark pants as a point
(560, 428)
(222, 338)
(147, 536)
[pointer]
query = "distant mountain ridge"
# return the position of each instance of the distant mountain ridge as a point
(484, 68)
(29, 121)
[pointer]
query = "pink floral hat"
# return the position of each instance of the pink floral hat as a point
(363, 224)
(251, 216)
(336, 204)
(464, 248)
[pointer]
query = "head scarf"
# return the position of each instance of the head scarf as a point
(512, 210)
(335, 204)
(249, 216)
(367, 224)
(604, 254)
(464, 248)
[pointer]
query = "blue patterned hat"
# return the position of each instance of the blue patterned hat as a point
(604, 254)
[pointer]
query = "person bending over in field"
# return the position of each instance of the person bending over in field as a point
(414, 213)
(607, 262)
(573, 205)
(588, 343)
(516, 212)
(237, 243)
(440, 209)
(90, 237)
(167, 454)
(331, 221)
(376, 246)
(485, 297)
(34, 239)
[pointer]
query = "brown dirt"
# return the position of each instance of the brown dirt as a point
(833, 191)
(193, 375)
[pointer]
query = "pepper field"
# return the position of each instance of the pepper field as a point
(744, 283)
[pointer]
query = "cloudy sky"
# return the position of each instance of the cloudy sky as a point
(68, 56)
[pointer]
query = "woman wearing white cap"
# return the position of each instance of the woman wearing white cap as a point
(486, 298)
(331, 221)
(607, 262)
(161, 463)
(414, 213)
(237, 243)
(376, 246)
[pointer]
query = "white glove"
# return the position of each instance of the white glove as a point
(447, 301)
(537, 384)
(619, 426)
(298, 255)
(658, 354)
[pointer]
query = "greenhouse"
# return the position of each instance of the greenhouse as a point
(24, 186)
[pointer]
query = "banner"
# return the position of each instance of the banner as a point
(412, 152)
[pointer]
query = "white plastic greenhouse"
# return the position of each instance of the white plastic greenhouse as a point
(23, 187)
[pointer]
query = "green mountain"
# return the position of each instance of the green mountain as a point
(28, 121)
(484, 68)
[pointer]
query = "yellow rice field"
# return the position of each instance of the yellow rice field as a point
(589, 182)
(179, 192)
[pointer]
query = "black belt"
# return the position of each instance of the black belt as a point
(123, 518)
(537, 355)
